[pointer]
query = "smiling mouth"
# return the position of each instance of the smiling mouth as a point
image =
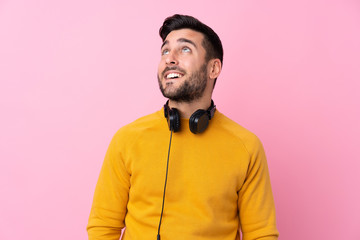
(173, 75)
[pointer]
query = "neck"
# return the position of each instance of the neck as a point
(186, 109)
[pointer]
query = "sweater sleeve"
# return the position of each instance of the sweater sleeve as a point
(255, 202)
(111, 196)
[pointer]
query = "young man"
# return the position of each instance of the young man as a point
(208, 181)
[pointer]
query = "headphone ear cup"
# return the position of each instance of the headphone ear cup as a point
(174, 120)
(199, 121)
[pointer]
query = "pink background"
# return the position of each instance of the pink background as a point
(73, 72)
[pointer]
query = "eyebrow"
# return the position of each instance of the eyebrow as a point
(180, 40)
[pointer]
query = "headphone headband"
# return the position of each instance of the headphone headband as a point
(211, 110)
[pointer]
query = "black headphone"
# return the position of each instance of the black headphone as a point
(198, 121)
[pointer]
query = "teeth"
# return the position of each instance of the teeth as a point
(173, 75)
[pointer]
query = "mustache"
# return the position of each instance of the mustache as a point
(174, 68)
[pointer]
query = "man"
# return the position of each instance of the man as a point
(208, 182)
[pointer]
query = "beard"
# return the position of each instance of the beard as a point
(190, 89)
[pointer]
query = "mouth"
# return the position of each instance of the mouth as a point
(173, 75)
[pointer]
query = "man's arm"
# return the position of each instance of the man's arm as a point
(111, 196)
(256, 204)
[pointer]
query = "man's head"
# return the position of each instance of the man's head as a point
(191, 54)
(211, 42)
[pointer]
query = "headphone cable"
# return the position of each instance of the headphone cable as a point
(163, 202)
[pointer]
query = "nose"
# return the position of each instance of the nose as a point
(171, 59)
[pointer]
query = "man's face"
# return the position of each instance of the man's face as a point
(182, 72)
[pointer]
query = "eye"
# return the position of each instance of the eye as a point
(185, 49)
(165, 52)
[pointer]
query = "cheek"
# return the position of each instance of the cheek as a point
(159, 70)
(161, 66)
(190, 64)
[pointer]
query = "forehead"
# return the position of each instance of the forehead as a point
(185, 33)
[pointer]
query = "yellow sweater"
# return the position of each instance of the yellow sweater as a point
(218, 181)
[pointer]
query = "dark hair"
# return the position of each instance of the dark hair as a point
(211, 43)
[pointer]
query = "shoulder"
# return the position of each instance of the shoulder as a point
(146, 124)
(129, 141)
(237, 133)
(141, 124)
(145, 127)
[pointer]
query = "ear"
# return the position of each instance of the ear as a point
(214, 68)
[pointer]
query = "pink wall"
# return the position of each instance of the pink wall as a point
(73, 72)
